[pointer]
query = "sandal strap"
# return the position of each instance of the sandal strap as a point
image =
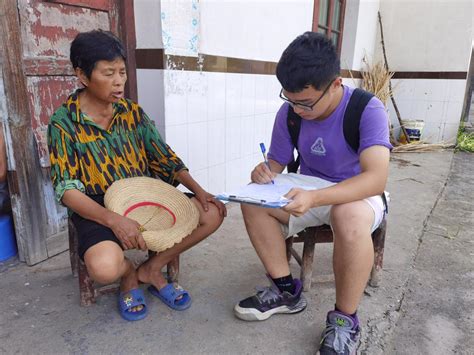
(132, 298)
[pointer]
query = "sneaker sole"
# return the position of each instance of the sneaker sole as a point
(252, 314)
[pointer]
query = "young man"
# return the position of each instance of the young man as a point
(348, 198)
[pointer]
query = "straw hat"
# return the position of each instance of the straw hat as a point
(165, 214)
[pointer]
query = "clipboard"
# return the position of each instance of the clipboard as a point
(265, 195)
(253, 201)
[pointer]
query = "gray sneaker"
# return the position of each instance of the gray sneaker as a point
(270, 300)
(341, 335)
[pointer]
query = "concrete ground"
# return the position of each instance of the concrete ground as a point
(424, 303)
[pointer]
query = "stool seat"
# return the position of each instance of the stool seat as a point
(88, 291)
(323, 234)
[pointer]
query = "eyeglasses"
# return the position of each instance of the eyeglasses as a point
(303, 106)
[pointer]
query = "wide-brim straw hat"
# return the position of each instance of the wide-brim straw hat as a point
(165, 214)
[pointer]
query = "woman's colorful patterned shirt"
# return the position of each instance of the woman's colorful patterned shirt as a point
(86, 157)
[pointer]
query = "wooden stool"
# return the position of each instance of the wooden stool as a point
(323, 234)
(87, 290)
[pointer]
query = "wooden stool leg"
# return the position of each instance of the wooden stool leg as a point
(73, 254)
(289, 245)
(173, 270)
(86, 286)
(307, 262)
(379, 243)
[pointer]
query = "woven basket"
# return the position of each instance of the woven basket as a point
(166, 215)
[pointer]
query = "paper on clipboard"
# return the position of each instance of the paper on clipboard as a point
(265, 195)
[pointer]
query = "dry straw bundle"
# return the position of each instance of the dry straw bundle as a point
(376, 79)
(420, 146)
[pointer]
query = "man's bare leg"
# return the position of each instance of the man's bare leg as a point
(353, 252)
(263, 228)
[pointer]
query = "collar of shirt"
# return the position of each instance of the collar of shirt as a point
(74, 110)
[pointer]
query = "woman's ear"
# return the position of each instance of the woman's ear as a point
(82, 76)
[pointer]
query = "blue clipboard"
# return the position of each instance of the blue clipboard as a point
(253, 201)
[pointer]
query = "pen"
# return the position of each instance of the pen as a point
(262, 148)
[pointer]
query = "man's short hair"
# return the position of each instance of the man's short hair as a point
(311, 59)
(90, 47)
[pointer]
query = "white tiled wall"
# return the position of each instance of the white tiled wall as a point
(437, 102)
(257, 29)
(215, 122)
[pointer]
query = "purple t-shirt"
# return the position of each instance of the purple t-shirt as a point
(324, 152)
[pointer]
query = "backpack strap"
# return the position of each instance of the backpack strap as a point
(356, 106)
(294, 125)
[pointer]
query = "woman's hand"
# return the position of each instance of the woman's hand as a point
(127, 231)
(205, 198)
(261, 174)
(301, 201)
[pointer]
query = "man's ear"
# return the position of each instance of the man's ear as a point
(337, 82)
(82, 76)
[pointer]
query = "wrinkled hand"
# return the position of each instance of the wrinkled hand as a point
(128, 232)
(302, 201)
(261, 174)
(205, 198)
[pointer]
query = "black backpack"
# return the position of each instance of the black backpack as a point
(357, 103)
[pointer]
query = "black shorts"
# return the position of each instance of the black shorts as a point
(90, 233)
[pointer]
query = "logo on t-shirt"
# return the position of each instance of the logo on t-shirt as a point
(318, 147)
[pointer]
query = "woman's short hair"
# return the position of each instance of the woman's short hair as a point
(311, 59)
(90, 47)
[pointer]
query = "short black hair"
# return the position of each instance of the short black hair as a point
(90, 47)
(311, 59)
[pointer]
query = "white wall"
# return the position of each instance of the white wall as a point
(420, 36)
(148, 23)
(429, 36)
(252, 29)
(360, 31)
(423, 35)
(150, 88)
(215, 121)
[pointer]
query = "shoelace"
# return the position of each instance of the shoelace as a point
(342, 338)
(266, 294)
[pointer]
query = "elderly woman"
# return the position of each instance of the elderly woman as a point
(96, 137)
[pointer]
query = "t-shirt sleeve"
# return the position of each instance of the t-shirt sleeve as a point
(374, 126)
(281, 147)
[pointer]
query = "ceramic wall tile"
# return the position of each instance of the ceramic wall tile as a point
(216, 145)
(261, 88)
(198, 145)
(453, 112)
(248, 145)
(248, 95)
(151, 94)
(233, 133)
(233, 95)
(216, 96)
(202, 177)
(217, 178)
(175, 109)
(177, 139)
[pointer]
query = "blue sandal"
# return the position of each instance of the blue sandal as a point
(130, 299)
(169, 295)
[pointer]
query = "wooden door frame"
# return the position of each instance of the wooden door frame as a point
(24, 178)
(126, 31)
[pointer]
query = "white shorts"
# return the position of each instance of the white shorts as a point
(321, 215)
